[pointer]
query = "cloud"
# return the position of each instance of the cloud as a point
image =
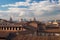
(28, 1)
(1, 15)
(17, 4)
(22, 13)
(42, 10)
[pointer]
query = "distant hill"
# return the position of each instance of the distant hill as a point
(53, 20)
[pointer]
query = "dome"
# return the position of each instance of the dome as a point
(55, 23)
(50, 22)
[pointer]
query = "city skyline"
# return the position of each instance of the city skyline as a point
(41, 9)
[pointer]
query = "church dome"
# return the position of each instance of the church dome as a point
(55, 23)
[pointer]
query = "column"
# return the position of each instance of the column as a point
(2, 28)
(9, 28)
(17, 28)
(6, 28)
(21, 28)
(14, 28)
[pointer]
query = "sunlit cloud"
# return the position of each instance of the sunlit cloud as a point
(43, 10)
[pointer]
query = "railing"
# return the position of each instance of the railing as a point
(37, 38)
(2, 38)
(34, 38)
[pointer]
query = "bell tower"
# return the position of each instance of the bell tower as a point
(10, 19)
(34, 19)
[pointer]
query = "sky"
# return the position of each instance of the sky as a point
(28, 9)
